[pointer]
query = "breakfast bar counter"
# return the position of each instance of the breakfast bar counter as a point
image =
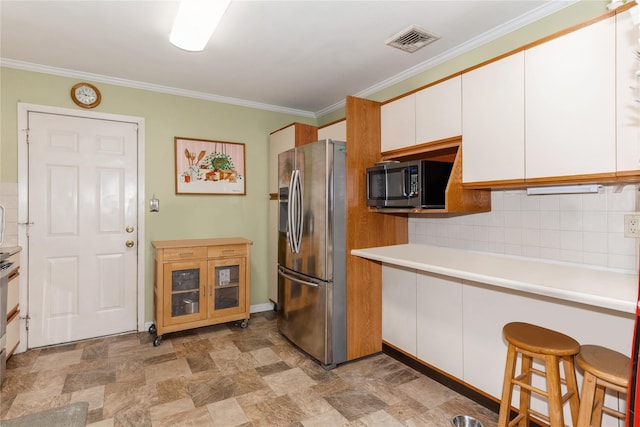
(599, 287)
(445, 308)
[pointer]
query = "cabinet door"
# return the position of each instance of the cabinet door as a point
(399, 308)
(227, 286)
(439, 111)
(570, 103)
(493, 121)
(184, 292)
(336, 131)
(279, 141)
(628, 110)
(439, 319)
(398, 123)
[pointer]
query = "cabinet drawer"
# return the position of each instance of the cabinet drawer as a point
(13, 333)
(227, 250)
(13, 294)
(176, 254)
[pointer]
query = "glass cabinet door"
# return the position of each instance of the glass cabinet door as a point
(185, 294)
(227, 286)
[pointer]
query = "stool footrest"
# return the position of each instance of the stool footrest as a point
(613, 412)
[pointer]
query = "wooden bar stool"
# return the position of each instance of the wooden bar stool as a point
(604, 369)
(551, 347)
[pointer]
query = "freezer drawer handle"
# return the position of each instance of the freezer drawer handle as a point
(295, 279)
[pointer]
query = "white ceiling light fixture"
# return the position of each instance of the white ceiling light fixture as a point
(195, 23)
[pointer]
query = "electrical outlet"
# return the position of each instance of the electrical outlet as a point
(632, 225)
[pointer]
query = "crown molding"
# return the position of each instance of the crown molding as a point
(26, 66)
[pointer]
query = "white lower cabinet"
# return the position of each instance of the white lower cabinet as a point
(399, 307)
(456, 326)
(439, 322)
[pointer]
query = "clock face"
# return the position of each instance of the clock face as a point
(85, 95)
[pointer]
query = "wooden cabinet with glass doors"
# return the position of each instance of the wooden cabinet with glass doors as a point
(200, 282)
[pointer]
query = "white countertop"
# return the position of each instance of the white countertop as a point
(600, 287)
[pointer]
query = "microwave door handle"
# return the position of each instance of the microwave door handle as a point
(405, 182)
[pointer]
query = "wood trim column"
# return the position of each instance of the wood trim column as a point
(365, 229)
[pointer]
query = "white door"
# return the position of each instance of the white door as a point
(82, 212)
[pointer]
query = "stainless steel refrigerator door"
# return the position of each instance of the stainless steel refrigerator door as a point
(305, 239)
(304, 315)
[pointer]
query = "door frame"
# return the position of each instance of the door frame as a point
(23, 203)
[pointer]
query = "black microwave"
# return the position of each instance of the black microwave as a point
(413, 184)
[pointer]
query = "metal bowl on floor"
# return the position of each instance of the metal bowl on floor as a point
(465, 421)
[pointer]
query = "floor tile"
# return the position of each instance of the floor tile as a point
(225, 376)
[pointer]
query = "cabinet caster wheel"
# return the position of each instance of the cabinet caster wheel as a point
(244, 323)
(156, 341)
(152, 329)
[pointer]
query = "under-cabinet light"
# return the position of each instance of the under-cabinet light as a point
(195, 23)
(564, 189)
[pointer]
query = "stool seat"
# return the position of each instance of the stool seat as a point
(537, 339)
(554, 349)
(605, 364)
(604, 369)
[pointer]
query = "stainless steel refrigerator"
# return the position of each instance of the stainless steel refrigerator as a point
(312, 249)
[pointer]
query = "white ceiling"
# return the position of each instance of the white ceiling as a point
(302, 57)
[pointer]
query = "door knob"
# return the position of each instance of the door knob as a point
(129, 243)
(129, 229)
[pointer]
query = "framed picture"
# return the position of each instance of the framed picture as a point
(209, 167)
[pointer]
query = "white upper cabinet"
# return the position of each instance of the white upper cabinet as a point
(493, 121)
(439, 111)
(628, 112)
(337, 131)
(431, 114)
(279, 141)
(570, 98)
(398, 123)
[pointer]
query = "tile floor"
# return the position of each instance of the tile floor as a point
(225, 376)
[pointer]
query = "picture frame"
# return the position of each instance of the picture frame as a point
(213, 167)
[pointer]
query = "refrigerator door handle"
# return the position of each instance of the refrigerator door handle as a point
(290, 208)
(296, 279)
(299, 210)
(294, 214)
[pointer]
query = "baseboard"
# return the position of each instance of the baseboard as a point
(448, 381)
(257, 308)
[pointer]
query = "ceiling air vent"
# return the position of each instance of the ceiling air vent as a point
(411, 39)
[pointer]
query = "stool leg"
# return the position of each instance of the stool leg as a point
(572, 386)
(554, 391)
(507, 387)
(586, 400)
(598, 405)
(525, 394)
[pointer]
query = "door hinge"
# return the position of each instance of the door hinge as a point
(28, 225)
(26, 321)
(26, 131)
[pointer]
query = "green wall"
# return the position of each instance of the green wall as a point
(166, 116)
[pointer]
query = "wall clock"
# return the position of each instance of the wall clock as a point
(86, 95)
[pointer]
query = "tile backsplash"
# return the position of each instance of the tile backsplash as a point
(9, 200)
(579, 228)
